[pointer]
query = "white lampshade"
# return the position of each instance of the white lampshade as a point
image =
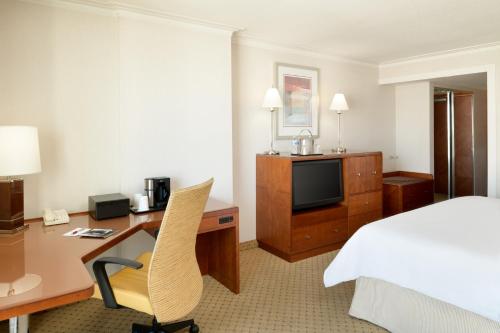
(272, 99)
(339, 103)
(19, 150)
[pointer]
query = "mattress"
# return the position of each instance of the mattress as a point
(402, 310)
(449, 251)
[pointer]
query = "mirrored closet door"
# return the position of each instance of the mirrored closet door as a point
(454, 144)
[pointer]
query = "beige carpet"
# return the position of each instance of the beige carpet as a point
(276, 296)
(438, 197)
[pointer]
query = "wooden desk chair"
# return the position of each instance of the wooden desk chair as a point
(166, 283)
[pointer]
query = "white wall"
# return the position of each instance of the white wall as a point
(59, 72)
(368, 125)
(116, 99)
(414, 127)
(175, 103)
(460, 63)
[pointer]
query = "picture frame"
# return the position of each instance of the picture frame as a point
(299, 90)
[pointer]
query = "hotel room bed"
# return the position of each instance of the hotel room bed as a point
(434, 269)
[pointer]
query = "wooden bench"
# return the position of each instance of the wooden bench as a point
(404, 191)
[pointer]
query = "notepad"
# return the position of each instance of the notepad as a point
(97, 233)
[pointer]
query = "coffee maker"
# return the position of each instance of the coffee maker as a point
(158, 191)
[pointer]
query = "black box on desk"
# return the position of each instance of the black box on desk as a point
(107, 206)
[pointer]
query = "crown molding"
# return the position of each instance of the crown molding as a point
(441, 55)
(247, 40)
(115, 8)
(85, 6)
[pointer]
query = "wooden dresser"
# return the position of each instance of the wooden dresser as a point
(294, 235)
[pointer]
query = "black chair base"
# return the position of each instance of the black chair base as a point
(167, 328)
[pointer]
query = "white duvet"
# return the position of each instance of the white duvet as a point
(449, 251)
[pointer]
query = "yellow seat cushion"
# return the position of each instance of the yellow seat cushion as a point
(130, 286)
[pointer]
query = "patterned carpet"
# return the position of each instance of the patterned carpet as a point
(276, 296)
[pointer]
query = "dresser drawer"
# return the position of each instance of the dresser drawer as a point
(318, 235)
(357, 221)
(318, 215)
(365, 203)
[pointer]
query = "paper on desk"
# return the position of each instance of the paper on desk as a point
(76, 232)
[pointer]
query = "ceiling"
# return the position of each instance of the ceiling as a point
(470, 81)
(374, 31)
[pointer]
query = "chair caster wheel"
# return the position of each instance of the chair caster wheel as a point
(194, 328)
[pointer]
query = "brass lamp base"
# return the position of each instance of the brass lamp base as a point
(14, 231)
(339, 150)
(272, 152)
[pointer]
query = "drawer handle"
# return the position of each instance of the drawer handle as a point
(336, 230)
(374, 172)
(358, 174)
(307, 236)
(366, 203)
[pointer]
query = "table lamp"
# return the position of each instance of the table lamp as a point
(272, 101)
(339, 104)
(19, 155)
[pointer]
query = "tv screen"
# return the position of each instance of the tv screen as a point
(317, 183)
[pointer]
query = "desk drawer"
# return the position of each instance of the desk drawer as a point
(365, 203)
(318, 235)
(217, 222)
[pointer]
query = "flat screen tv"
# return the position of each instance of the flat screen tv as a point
(316, 183)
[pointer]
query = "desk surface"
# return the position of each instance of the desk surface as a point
(43, 254)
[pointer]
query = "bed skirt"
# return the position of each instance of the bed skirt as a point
(401, 310)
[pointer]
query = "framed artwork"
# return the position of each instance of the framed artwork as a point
(298, 87)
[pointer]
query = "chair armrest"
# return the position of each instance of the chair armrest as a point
(99, 268)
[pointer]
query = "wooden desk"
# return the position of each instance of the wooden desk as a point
(59, 261)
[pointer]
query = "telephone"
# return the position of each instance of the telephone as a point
(53, 217)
